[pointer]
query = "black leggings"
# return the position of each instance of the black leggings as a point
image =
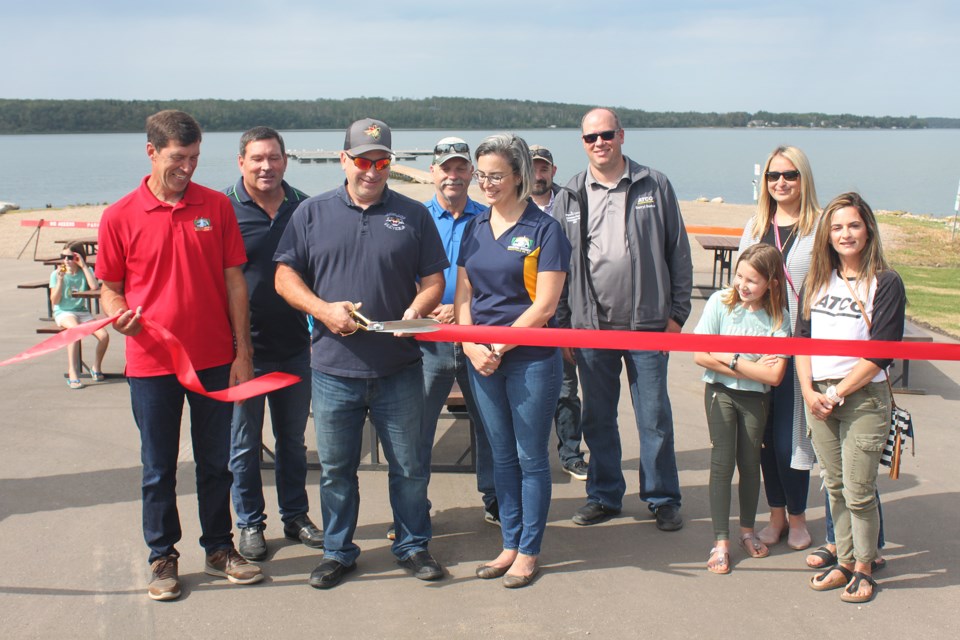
(783, 485)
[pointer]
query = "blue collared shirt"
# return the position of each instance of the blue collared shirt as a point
(451, 233)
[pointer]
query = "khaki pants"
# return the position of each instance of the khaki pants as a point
(848, 445)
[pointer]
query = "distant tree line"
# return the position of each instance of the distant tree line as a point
(119, 116)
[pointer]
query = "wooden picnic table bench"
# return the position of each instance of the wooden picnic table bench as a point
(45, 285)
(723, 248)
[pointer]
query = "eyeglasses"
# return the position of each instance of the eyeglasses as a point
(494, 180)
(590, 138)
(789, 176)
(364, 164)
(451, 147)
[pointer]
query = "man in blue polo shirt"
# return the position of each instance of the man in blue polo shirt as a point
(443, 362)
(264, 202)
(364, 245)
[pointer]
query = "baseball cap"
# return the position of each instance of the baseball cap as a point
(367, 135)
(538, 152)
(450, 148)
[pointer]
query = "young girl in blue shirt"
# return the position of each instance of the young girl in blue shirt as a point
(737, 393)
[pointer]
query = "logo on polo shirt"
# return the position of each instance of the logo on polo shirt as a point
(521, 244)
(395, 222)
(644, 202)
(202, 224)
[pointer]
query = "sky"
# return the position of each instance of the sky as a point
(840, 56)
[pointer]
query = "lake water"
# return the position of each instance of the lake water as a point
(915, 171)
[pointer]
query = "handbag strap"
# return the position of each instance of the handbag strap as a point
(866, 318)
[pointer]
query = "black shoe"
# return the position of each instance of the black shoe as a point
(668, 518)
(423, 566)
(577, 468)
(252, 545)
(329, 573)
(594, 513)
(302, 529)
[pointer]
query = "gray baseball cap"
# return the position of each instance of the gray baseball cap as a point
(367, 135)
(538, 152)
(450, 148)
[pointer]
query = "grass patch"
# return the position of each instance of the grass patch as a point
(933, 296)
(927, 256)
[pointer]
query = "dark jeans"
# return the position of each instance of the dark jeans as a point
(784, 486)
(289, 409)
(568, 417)
(647, 376)
(157, 403)
(444, 362)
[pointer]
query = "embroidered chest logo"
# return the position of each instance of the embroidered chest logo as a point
(644, 202)
(202, 224)
(572, 216)
(395, 222)
(521, 244)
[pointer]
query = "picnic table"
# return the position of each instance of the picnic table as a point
(89, 244)
(723, 248)
(92, 296)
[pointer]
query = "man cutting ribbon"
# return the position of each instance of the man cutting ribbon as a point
(364, 243)
(172, 250)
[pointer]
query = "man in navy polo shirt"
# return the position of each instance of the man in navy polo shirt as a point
(264, 202)
(362, 245)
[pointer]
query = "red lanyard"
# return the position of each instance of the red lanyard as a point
(776, 234)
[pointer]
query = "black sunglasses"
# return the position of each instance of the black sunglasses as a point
(590, 138)
(451, 147)
(789, 176)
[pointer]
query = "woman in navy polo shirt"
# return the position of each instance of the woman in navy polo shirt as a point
(511, 268)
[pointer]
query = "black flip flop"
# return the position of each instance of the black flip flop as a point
(850, 593)
(829, 558)
(816, 582)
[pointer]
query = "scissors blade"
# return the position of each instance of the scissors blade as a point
(422, 325)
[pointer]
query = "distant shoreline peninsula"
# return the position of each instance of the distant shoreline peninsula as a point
(25, 116)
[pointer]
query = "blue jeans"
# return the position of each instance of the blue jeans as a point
(289, 409)
(157, 403)
(444, 362)
(340, 407)
(517, 403)
(647, 375)
(832, 539)
(784, 486)
(567, 417)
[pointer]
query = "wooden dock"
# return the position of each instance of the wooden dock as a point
(410, 174)
(321, 156)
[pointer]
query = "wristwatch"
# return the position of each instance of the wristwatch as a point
(733, 362)
(833, 396)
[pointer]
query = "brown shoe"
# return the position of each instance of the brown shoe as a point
(165, 584)
(227, 563)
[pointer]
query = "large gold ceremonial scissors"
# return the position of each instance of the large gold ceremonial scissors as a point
(421, 325)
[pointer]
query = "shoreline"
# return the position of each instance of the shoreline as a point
(14, 237)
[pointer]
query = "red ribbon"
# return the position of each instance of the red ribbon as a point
(183, 368)
(660, 341)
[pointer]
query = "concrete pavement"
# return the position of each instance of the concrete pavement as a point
(75, 562)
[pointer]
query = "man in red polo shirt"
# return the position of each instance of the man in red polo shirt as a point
(171, 251)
